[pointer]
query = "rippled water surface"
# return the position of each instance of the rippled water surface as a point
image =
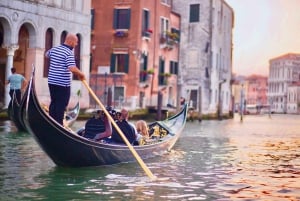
(257, 159)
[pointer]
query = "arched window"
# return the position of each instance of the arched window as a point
(21, 53)
(77, 51)
(63, 37)
(48, 45)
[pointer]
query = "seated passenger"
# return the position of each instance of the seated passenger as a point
(98, 127)
(142, 132)
(126, 127)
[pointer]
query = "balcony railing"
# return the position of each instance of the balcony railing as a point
(169, 40)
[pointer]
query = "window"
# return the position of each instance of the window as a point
(48, 45)
(119, 63)
(206, 72)
(146, 31)
(121, 19)
(63, 37)
(143, 68)
(77, 51)
(164, 26)
(174, 67)
(92, 19)
(167, 2)
(193, 98)
(119, 94)
(194, 12)
(161, 78)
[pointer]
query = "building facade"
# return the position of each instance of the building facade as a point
(29, 28)
(206, 54)
(293, 98)
(257, 90)
(283, 71)
(134, 51)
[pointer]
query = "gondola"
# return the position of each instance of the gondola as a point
(14, 115)
(68, 149)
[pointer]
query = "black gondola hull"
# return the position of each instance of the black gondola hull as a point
(69, 149)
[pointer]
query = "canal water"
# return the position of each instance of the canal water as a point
(228, 160)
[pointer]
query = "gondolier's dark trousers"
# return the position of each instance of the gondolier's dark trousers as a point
(15, 93)
(60, 97)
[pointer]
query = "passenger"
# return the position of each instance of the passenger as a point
(142, 132)
(126, 127)
(98, 127)
(142, 128)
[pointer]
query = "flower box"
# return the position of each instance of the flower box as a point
(147, 33)
(121, 33)
(150, 71)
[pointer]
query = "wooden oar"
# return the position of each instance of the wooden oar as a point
(135, 154)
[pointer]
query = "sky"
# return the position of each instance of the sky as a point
(263, 29)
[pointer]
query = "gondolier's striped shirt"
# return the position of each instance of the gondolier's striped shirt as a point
(61, 58)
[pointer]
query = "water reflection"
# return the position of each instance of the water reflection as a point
(258, 159)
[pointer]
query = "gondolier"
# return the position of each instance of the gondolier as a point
(17, 83)
(62, 64)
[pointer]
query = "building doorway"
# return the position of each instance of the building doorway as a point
(194, 99)
(21, 53)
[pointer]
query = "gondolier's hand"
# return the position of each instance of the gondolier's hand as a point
(81, 76)
(77, 72)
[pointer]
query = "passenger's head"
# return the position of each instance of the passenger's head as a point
(117, 116)
(98, 114)
(71, 40)
(124, 114)
(142, 128)
(13, 70)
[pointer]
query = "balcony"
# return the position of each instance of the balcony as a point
(168, 40)
(163, 79)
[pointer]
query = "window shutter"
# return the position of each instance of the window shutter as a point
(143, 22)
(129, 18)
(115, 18)
(92, 19)
(176, 68)
(145, 62)
(172, 67)
(148, 19)
(126, 63)
(112, 63)
(194, 12)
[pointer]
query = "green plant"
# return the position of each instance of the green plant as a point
(150, 71)
(166, 74)
(172, 35)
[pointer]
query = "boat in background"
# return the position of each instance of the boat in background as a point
(13, 112)
(68, 149)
